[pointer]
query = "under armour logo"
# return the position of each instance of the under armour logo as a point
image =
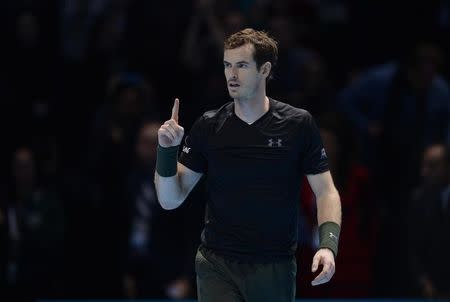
(323, 154)
(332, 236)
(273, 143)
(186, 149)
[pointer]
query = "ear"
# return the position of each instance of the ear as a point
(265, 68)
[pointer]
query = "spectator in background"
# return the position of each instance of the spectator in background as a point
(99, 38)
(31, 55)
(302, 77)
(30, 73)
(404, 95)
(144, 272)
(314, 91)
(210, 22)
(77, 18)
(428, 226)
(289, 64)
(397, 109)
(35, 230)
(96, 187)
(203, 41)
(129, 100)
(110, 157)
(107, 43)
(78, 75)
(160, 245)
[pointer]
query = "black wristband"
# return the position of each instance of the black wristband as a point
(166, 161)
(329, 236)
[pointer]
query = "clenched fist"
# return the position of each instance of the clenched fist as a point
(171, 133)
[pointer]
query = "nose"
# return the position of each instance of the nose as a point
(234, 73)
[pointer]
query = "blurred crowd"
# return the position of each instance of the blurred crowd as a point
(85, 86)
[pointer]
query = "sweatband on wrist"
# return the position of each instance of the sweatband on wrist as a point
(166, 161)
(329, 236)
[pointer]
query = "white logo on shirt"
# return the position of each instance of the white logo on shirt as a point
(323, 154)
(186, 149)
(275, 143)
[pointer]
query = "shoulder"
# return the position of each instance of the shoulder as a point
(215, 114)
(288, 112)
(213, 119)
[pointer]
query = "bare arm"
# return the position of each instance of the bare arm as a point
(173, 190)
(328, 209)
(327, 198)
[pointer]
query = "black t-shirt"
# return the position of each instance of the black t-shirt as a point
(253, 175)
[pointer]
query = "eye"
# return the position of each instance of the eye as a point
(227, 65)
(242, 65)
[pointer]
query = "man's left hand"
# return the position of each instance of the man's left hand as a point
(324, 257)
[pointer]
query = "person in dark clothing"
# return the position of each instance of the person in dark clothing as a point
(398, 109)
(253, 152)
(429, 225)
(35, 225)
(109, 159)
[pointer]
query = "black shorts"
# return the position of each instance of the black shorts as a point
(223, 280)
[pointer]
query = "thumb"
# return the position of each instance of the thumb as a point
(315, 263)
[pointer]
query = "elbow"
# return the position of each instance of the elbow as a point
(170, 204)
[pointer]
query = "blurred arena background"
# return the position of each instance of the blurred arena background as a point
(85, 85)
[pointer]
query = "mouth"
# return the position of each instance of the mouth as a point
(233, 85)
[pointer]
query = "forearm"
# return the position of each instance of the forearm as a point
(169, 191)
(329, 208)
(329, 218)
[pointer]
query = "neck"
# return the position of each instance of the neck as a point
(251, 109)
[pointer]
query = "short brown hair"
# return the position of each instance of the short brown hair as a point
(266, 48)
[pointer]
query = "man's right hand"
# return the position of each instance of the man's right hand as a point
(171, 133)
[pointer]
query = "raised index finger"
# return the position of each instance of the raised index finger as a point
(175, 109)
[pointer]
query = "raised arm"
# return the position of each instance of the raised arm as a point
(173, 181)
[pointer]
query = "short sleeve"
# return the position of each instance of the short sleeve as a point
(193, 151)
(314, 158)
